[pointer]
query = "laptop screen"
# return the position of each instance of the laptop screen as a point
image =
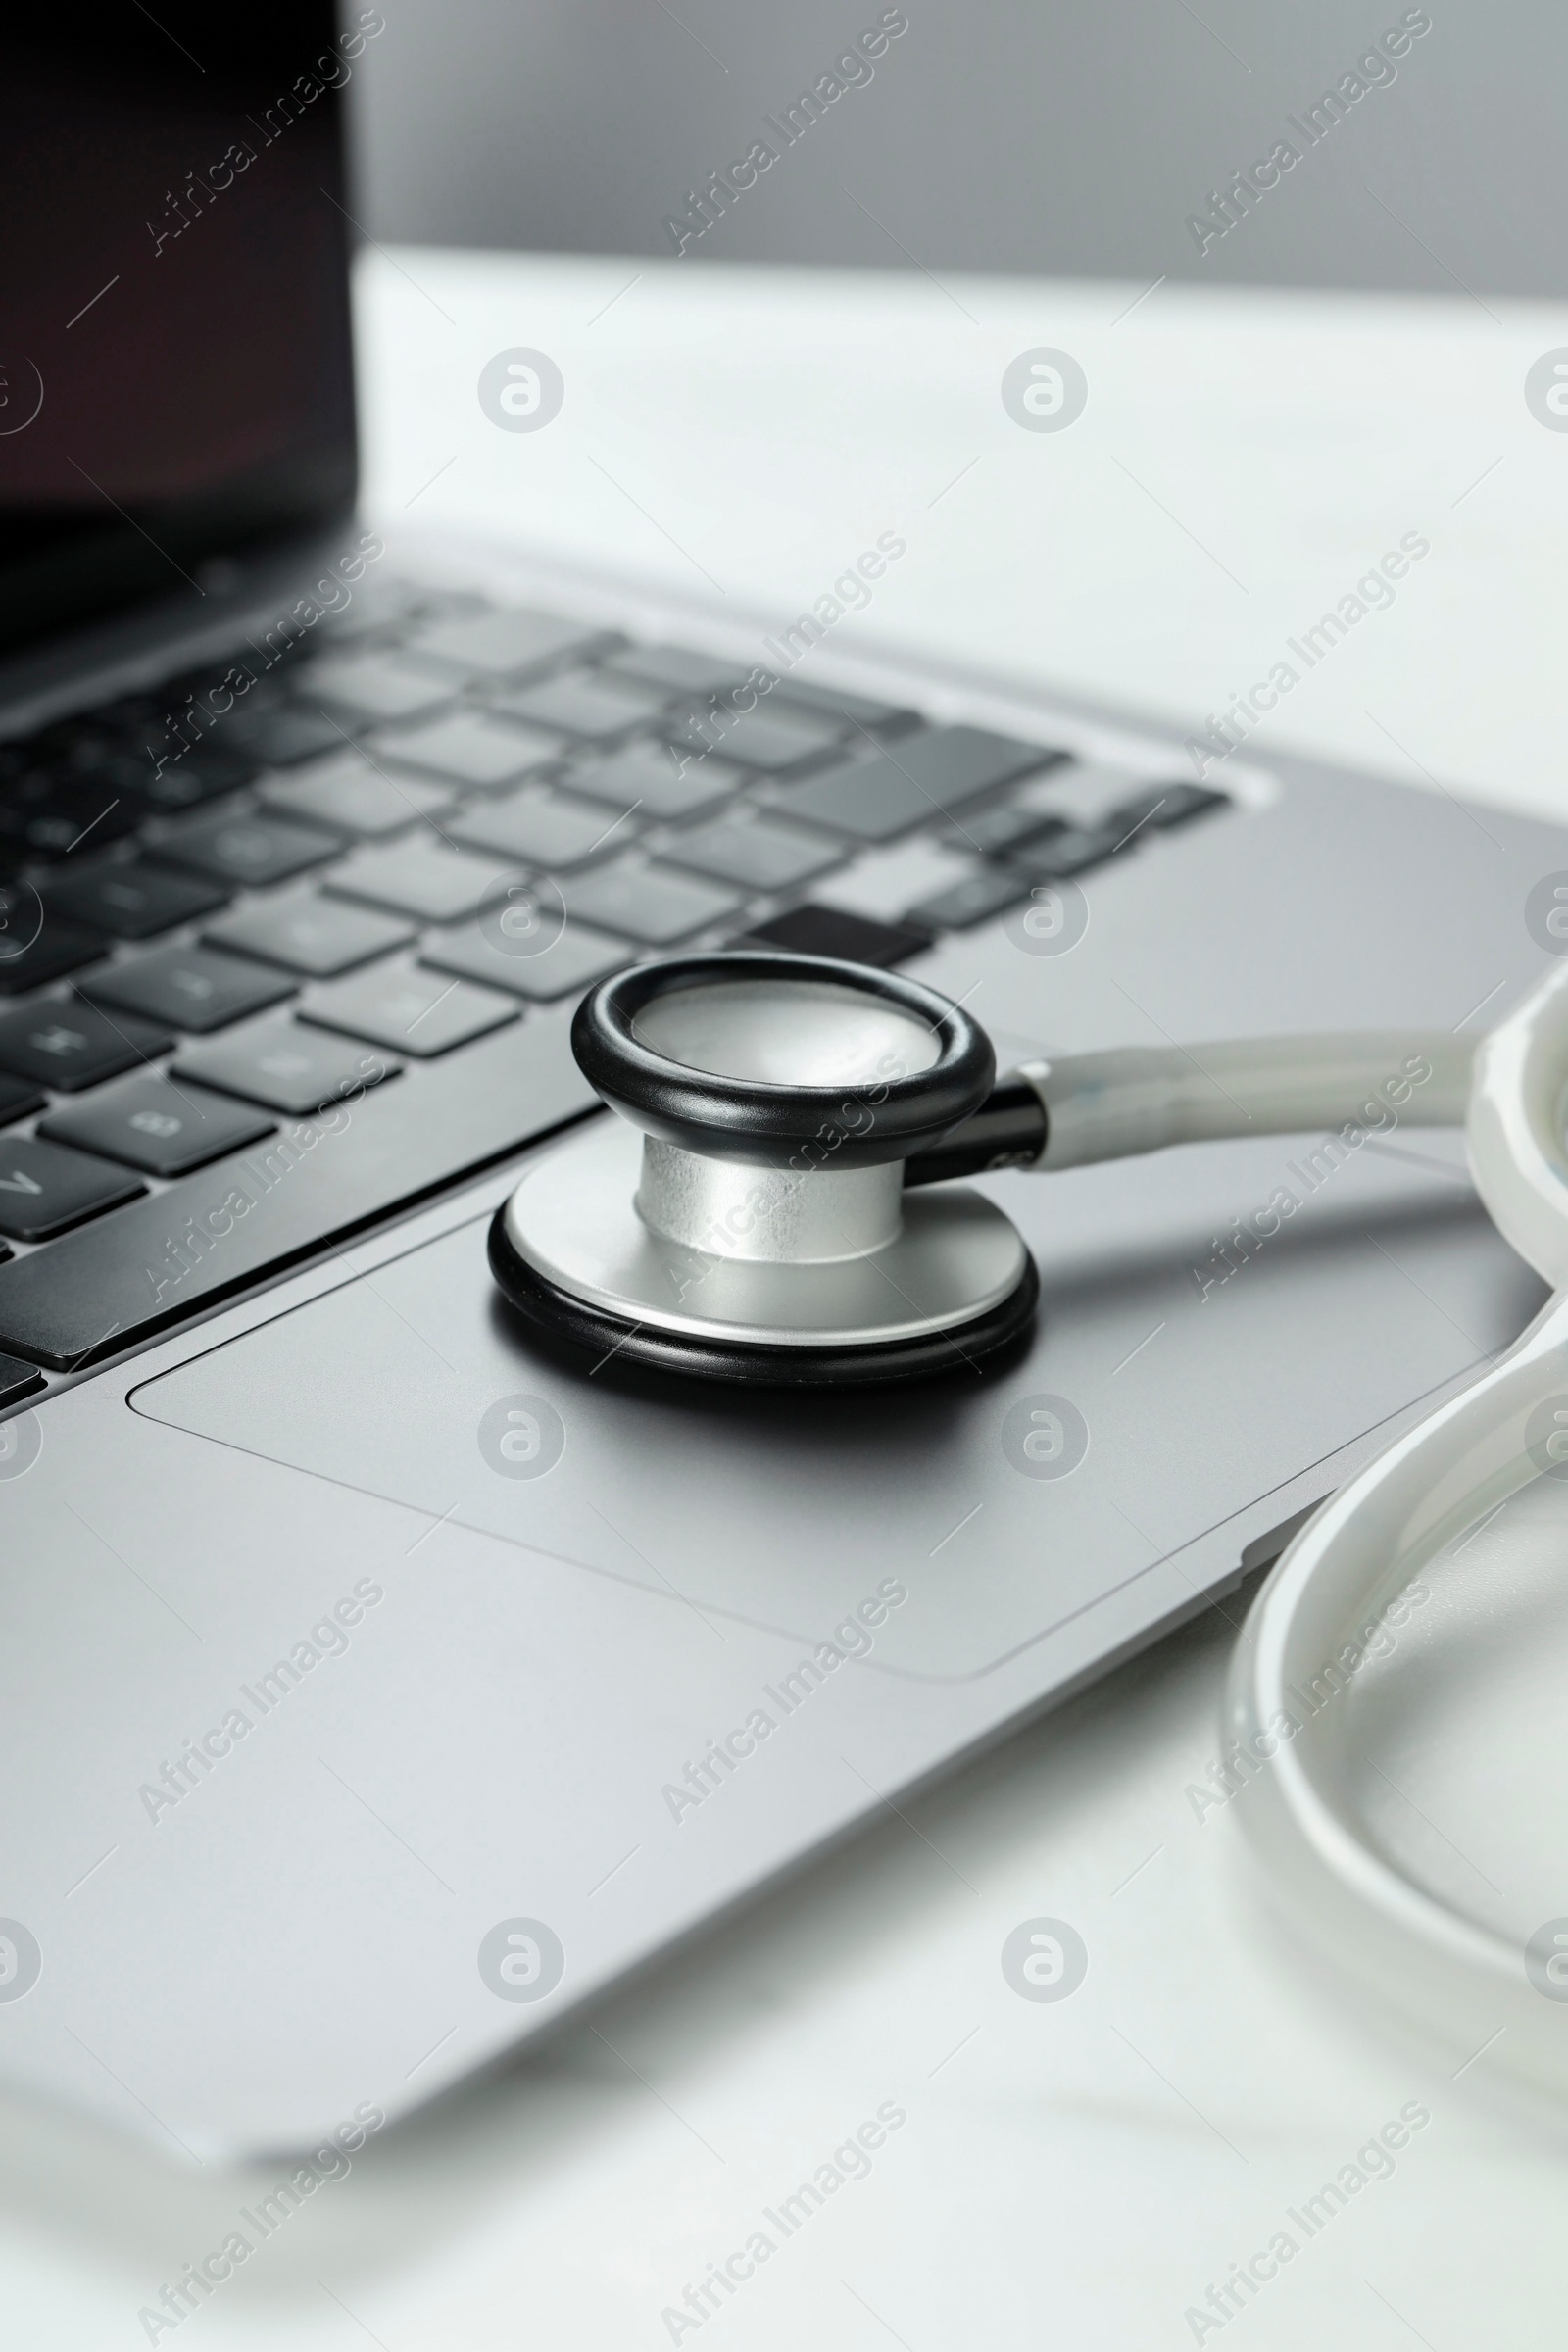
(174, 363)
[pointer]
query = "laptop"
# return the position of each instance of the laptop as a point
(381, 1686)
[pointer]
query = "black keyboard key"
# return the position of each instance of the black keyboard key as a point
(648, 903)
(1163, 806)
(756, 855)
(17, 1100)
(71, 817)
(501, 645)
(16, 1379)
(36, 946)
(284, 1065)
(368, 690)
(656, 780)
(421, 878)
(834, 931)
(999, 832)
(304, 933)
(588, 706)
(539, 830)
(1070, 850)
(102, 762)
(189, 987)
(773, 741)
(675, 671)
(378, 604)
(45, 1188)
(414, 1011)
(919, 778)
(192, 781)
(350, 793)
(279, 734)
(157, 1259)
(253, 850)
(573, 958)
(132, 901)
(68, 1045)
(973, 900)
(476, 752)
(856, 709)
(161, 1129)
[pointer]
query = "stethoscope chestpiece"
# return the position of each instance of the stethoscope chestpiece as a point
(743, 1217)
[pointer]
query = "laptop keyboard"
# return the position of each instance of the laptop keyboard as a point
(261, 990)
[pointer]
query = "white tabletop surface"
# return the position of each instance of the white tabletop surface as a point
(1074, 2173)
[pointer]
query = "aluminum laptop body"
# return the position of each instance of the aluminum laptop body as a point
(350, 1744)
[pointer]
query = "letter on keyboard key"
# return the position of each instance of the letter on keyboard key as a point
(304, 933)
(69, 1046)
(286, 1066)
(45, 1188)
(163, 1129)
(189, 987)
(417, 1012)
(423, 878)
(157, 1259)
(245, 849)
(134, 899)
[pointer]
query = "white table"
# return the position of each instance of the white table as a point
(1075, 2174)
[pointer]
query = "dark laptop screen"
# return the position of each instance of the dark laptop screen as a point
(175, 366)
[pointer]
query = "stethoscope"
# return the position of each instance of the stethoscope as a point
(779, 1198)
(780, 1201)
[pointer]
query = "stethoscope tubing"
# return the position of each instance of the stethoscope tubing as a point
(1432, 1483)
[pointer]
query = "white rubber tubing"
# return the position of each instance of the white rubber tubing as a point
(1141, 1099)
(1459, 1976)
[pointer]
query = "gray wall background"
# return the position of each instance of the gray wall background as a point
(1061, 136)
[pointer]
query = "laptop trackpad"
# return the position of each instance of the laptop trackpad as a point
(1167, 1386)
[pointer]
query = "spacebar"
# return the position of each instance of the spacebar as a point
(148, 1265)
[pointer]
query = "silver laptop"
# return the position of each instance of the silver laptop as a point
(350, 1739)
